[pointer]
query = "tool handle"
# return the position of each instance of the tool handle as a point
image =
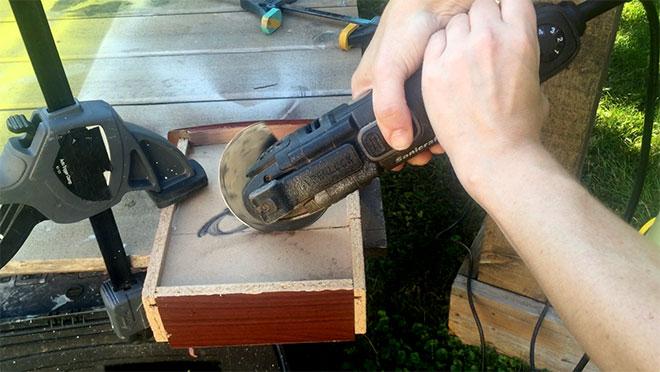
(371, 140)
(559, 30)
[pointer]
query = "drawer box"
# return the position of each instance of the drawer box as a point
(206, 287)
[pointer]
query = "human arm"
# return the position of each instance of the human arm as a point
(394, 54)
(483, 96)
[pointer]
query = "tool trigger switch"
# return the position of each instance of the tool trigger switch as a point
(373, 142)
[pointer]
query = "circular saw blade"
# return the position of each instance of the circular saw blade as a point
(238, 156)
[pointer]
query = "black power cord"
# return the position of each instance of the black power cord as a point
(649, 110)
(582, 363)
(473, 309)
(535, 333)
(647, 136)
(281, 358)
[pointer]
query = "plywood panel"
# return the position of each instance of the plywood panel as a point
(320, 252)
(574, 96)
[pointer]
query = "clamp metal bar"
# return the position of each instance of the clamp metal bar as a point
(112, 249)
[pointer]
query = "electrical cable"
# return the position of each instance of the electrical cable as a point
(473, 309)
(469, 205)
(281, 358)
(467, 208)
(582, 363)
(535, 333)
(592, 9)
(650, 109)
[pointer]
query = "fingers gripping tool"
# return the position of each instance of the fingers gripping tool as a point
(291, 181)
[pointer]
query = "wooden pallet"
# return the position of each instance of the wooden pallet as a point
(508, 299)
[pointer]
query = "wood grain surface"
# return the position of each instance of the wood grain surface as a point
(508, 320)
(239, 319)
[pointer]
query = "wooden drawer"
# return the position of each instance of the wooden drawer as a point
(206, 288)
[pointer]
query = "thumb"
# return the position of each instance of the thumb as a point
(390, 107)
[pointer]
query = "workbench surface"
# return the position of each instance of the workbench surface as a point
(169, 64)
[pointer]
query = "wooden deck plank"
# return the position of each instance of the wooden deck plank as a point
(208, 33)
(67, 9)
(508, 320)
(190, 78)
(161, 118)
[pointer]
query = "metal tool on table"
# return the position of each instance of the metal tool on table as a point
(274, 185)
(75, 160)
(357, 33)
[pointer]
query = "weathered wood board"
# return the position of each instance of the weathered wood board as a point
(187, 56)
(508, 320)
(233, 77)
(249, 287)
(93, 9)
(181, 34)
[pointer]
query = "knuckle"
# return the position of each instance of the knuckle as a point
(384, 65)
(486, 40)
(388, 114)
(356, 81)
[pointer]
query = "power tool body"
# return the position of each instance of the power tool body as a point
(290, 182)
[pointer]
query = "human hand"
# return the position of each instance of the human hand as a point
(394, 54)
(481, 89)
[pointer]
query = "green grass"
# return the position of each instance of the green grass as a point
(614, 148)
(409, 289)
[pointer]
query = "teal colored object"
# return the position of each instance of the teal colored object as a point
(271, 21)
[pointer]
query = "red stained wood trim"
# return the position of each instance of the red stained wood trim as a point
(253, 319)
(223, 133)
